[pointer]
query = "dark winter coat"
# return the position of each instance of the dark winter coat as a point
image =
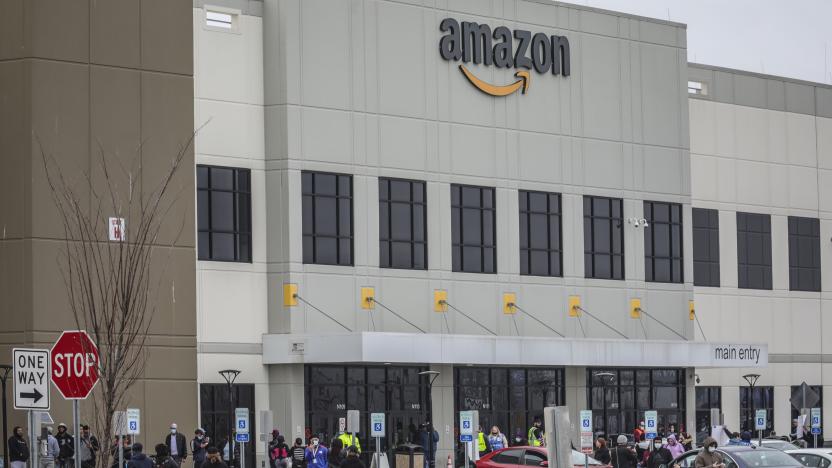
(18, 449)
(602, 455)
(67, 445)
(210, 464)
(181, 445)
(140, 460)
(352, 462)
(623, 457)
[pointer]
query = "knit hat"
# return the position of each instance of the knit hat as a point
(622, 439)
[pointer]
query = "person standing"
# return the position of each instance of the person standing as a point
(601, 453)
(316, 455)
(623, 456)
(349, 439)
(298, 453)
(138, 458)
(89, 448)
(429, 440)
(709, 457)
(535, 435)
(18, 449)
(198, 446)
(67, 447)
(177, 444)
(496, 439)
(685, 439)
(50, 450)
(676, 448)
(279, 454)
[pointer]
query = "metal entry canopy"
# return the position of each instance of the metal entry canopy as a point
(506, 350)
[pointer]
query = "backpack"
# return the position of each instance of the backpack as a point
(279, 453)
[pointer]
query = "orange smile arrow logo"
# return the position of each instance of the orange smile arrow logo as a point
(488, 88)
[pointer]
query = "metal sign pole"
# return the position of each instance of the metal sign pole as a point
(377, 456)
(467, 454)
(120, 450)
(242, 455)
(760, 435)
(76, 424)
(33, 450)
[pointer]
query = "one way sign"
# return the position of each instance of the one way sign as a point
(31, 379)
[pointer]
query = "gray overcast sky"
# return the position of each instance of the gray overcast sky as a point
(790, 38)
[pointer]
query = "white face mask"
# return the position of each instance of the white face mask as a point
(314, 442)
(711, 449)
(173, 430)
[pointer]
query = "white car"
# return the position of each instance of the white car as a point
(815, 458)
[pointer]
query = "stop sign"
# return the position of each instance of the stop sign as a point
(74, 364)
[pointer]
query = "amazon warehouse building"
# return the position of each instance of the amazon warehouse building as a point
(544, 203)
(534, 202)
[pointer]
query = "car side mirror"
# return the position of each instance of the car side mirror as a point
(544, 463)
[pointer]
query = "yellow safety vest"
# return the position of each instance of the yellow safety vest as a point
(533, 441)
(348, 440)
(481, 441)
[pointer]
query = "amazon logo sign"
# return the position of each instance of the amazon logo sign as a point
(477, 43)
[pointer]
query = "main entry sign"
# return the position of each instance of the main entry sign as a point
(478, 44)
(31, 379)
(74, 364)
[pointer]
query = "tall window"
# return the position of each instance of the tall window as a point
(509, 398)
(804, 254)
(398, 391)
(402, 215)
(603, 238)
(754, 250)
(706, 398)
(223, 201)
(540, 234)
(619, 397)
(473, 229)
(663, 242)
(213, 408)
(705, 247)
(327, 218)
(763, 398)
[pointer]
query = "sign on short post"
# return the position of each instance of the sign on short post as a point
(31, 378)
(816, 419)
(466, 426)
(133, 421)
(241, 420)
(377, 424)
(586, 431)
(760, 420)
(650, 418)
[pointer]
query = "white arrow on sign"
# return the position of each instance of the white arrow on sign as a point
(31, 378)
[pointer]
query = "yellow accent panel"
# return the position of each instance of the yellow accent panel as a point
(509, 302)
(574, 306)
(290, 292)
(367, 298)
(522, 82)
(440, 298)
(691, 311)
(635, 308)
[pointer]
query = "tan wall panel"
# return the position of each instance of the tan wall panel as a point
(167, 124)
(14, 314)
(175, 280)
(60, 122)
(115, 33)
(50, 301)
(167, 41)
(12, 29)
(171, 401)
(115, 131)
(14, 145)
(171, 363)
(59, 29)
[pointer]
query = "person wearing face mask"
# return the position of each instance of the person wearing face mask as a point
(316, 455)
(496, 439)
(709, 458)
(199, 446)
(177, 445)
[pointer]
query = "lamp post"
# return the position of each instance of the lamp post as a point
(432, 374)
(5, 368)
(752, 380)
(230, 375)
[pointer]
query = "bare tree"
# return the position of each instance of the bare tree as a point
(109, 285)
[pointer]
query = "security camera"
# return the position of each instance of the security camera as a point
(644, 222)
(635, 223)
(697, 380)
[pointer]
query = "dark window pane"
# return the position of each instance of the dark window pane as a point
(400, 190)
(471, 197)
(663, 242)
(471, 226)
(488, 228)
(419, 223)
(383, 221)
(344, 251)
(204, 246)
(202, 210)
(326, 250)
(325, 184)
(345, 217)
(474, 230)
(222, 178)
(325, 216)
(222, 211)
(420, 261)
(804, 254)
(401, 257)
(222, 246)
(400, 221)
(538, 228)
(344, 186)
(754, 251)
(472, 259)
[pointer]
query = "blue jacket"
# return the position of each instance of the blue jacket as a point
(430, 450)
(317, 459)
